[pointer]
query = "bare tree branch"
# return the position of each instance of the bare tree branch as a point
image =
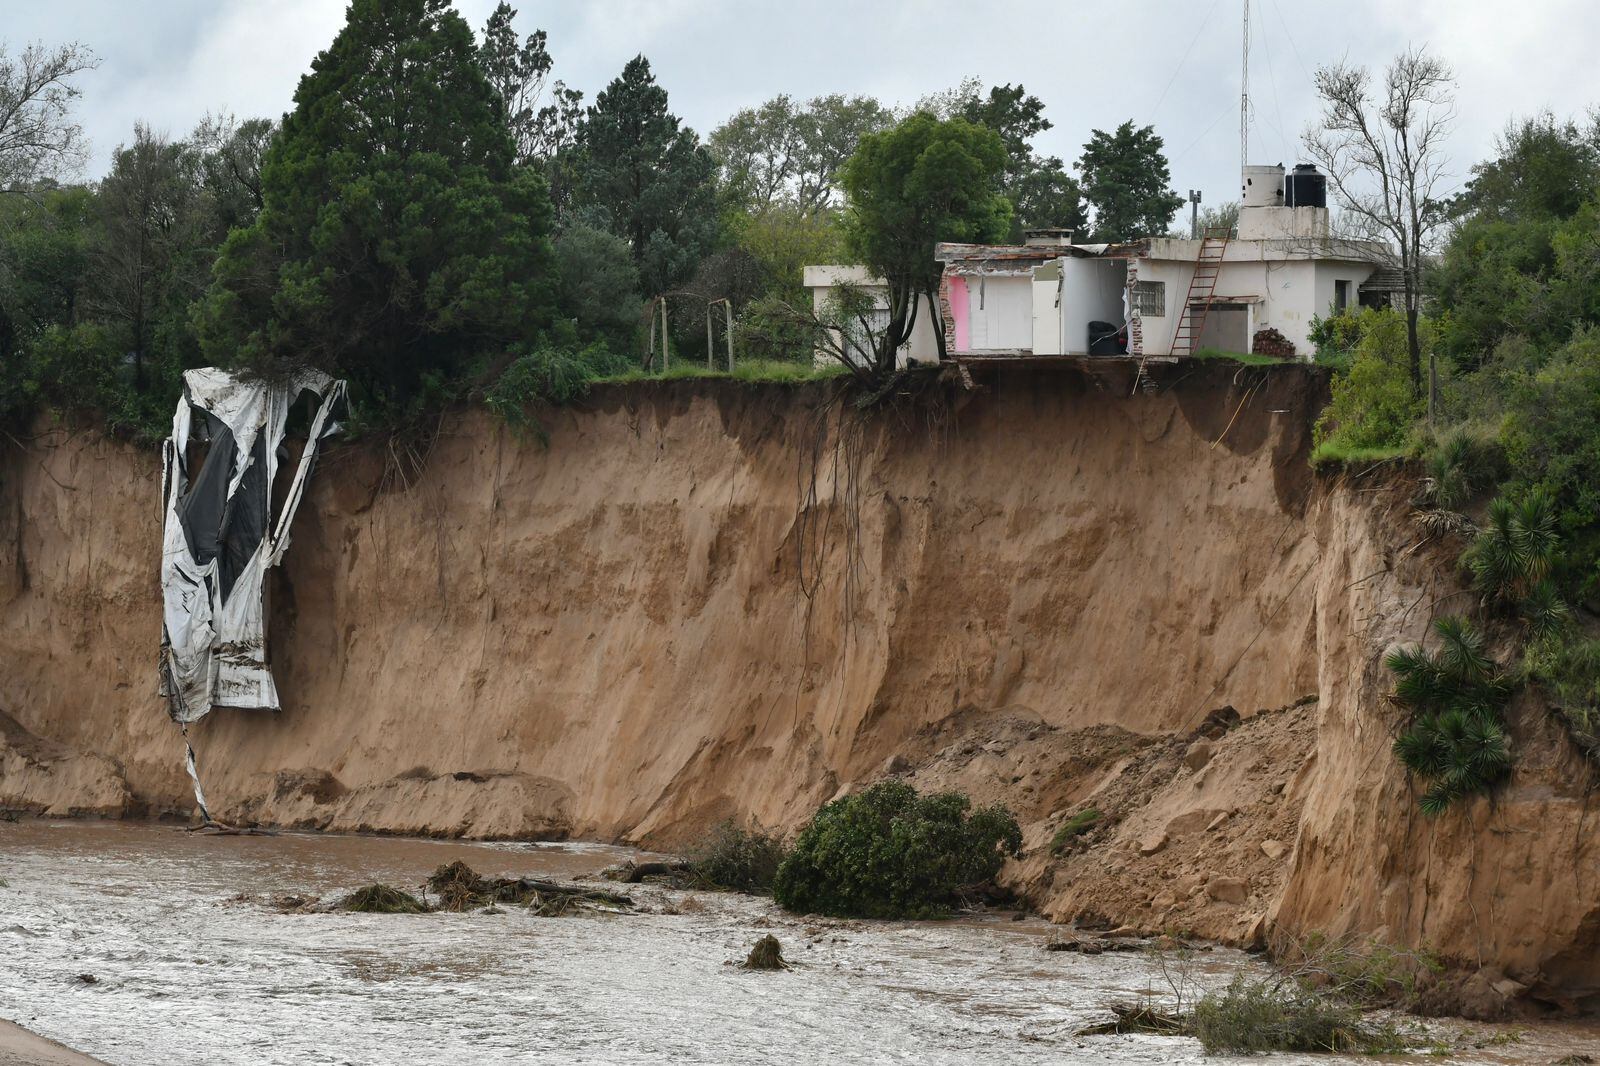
(38, 139)
(1385, 160)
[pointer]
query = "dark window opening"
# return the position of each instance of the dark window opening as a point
(1341, 296)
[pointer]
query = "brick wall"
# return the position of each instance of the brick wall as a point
(1135, 326)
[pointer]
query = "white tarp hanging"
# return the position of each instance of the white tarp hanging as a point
(220, 533)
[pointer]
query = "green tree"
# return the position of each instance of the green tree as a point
(1455, 737)
(231, 153)
(1125, 180)
(44, 253)
(784, 154)
(1041, 191)
(598, 284)
(1542, 169)
(891, 853)
(152, 251)
(397, 241)
(1373, 403)
(924, 181)
(651, 177)
(543, 116)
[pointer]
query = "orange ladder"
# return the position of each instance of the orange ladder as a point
(1202, 287)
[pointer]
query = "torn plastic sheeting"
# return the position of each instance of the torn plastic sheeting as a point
(220, 536)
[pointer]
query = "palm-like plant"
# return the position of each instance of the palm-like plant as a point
(1517, 547)
(1455, 740)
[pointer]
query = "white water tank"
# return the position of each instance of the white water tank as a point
(1263, 187)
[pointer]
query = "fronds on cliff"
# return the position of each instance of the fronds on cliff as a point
(1517, 549)
(1455, 738)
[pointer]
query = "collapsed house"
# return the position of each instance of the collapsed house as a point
(226, 522)
(1258, 287)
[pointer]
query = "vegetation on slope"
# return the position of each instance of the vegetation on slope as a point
(888, 852)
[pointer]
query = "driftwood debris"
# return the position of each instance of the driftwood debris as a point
(1138, 1018)
(676, 874)
(460, 888)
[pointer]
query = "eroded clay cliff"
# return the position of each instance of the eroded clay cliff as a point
(702, 600)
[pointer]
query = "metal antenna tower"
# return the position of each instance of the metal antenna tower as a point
(1244, 94)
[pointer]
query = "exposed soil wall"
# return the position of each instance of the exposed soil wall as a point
(706, 599)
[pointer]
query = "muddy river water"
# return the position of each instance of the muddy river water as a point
(128, 942)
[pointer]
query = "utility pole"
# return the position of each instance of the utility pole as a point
(1194, 214)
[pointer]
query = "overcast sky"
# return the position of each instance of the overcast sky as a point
(1095, 63)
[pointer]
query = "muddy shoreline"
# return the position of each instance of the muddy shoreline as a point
(23, 1047)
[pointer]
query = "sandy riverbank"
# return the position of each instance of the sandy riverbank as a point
(18, 1047)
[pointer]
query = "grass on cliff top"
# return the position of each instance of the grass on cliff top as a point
(1247, 358)
(1334, 452)
(755, 371)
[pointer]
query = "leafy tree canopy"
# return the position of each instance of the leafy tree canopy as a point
(786, 154)
(1125, 180)
(1042, 192)
(924, 181)
(650, 176)
(1542, 169)
(397, 241)
(543, 118)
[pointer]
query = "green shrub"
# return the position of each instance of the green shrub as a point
(1073, 828)
(1552, 436)
(891, 853)
(1335, 338)
(738, 858)
(1374, 404)
(1463, 463)
(1516, 551)
(1455, 739)
(771, 328)
(555, 374)
(1567, 668)
(1261, 1014)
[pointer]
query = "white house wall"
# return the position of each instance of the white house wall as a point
(1000, 312)
(1285, 294)
(823, 281)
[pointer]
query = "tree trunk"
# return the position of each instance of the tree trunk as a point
(937, 320)
(1413, 345)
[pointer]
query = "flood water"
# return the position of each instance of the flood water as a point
(183, 972)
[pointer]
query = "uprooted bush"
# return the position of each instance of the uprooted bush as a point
(889, 852)
(738, 858)
(381, 899)
(1267, 1014)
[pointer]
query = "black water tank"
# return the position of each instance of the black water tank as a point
(1305, 186)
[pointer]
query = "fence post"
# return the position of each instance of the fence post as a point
(711, 349)
(666, 354)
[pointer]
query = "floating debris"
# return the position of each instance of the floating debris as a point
(1138, 1018)
(381, 899)
(460, 888)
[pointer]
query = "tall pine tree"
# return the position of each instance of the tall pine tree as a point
(397, 240)
(651, 176)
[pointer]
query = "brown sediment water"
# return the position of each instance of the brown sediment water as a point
(183, 972)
